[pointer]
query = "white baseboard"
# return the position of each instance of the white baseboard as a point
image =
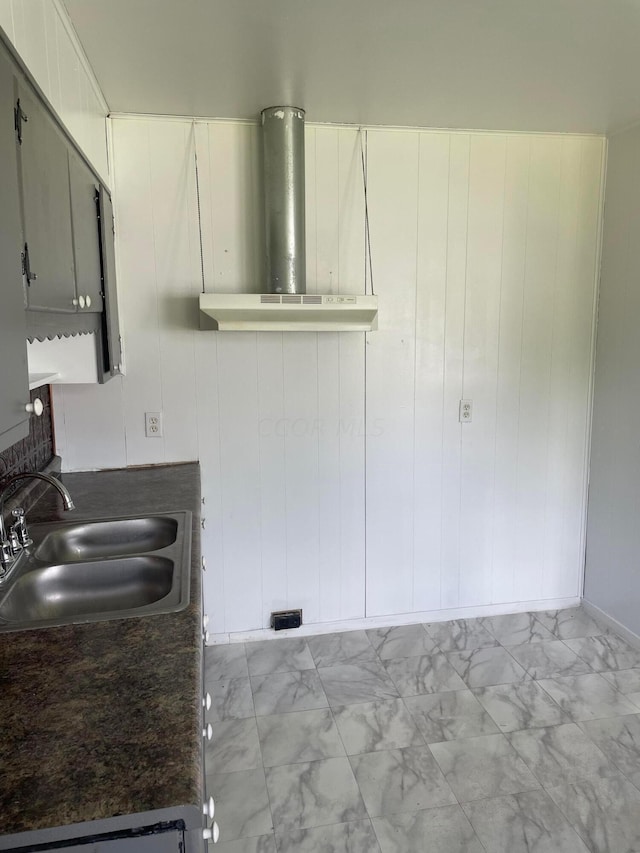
(395, 619)
(611, 623)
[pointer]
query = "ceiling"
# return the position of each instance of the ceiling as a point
(547, 65)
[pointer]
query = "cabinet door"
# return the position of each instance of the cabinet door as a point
(111, 348)
(164, 842)
(46, 207)
(86, 233)
(14, 381)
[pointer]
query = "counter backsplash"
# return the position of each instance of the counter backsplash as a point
(36, 450)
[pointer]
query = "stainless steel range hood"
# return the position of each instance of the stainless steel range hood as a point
(286, 306)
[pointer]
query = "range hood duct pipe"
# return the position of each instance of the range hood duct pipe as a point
(283, 147)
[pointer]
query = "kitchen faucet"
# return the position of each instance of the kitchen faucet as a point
(17, 539)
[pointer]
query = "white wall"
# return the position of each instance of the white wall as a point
(612, 581)
(42, 34)
(336, 475)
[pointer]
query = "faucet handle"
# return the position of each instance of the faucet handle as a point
(19, 528)
(6, 557)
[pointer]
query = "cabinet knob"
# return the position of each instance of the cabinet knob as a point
(78, 301)
(206, 701)
(205, 637)
(205, 622)
(207, 731)
(209, 808)
(87, 301)
(35, 408)
(211, 833)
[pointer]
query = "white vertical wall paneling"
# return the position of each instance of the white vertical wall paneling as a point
(481, 335)
(208, 415)
(272, 459)
(327, 235)
(338, 246)
(138, 287)
(578, 312)
(611, 574)
(351, 497)
(89, 425)
(393, 199)
(536, 354)
(301, 419)
(177, 273)
(325, 278)
(431, 312)
(351, 216)
(82, 106)
(70, 88)
(349, 602)
(330, 567)
(506, 542)
(229, 201)
(453, 366)
(6, 18)
(310, 208)
(327, 210)
(54, 91)
(31, 35)
(239, 467)
(45, 39)
(17, 15)
(484, 262)
(562, 333)
(236, 216)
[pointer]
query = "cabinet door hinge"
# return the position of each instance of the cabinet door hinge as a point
(19, 118)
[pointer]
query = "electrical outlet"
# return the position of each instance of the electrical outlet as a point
(153, 424)
(466, 411)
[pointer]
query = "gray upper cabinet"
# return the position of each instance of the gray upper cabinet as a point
(57, 263)
(86, 234)
(14, 380)
(46, 207)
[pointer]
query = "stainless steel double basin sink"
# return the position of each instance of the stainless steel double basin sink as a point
(98, 570)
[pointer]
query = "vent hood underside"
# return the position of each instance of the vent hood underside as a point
(288, 312)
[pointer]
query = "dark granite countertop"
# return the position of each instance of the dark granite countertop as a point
(105, 719)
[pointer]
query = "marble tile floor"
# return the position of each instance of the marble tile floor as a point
(509, 734)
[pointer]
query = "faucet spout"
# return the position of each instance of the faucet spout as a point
(47, 478)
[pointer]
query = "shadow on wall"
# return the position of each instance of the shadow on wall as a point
(180, 313)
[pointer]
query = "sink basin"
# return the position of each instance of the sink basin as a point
(71, 589)
(99, 569)
(112, 538)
